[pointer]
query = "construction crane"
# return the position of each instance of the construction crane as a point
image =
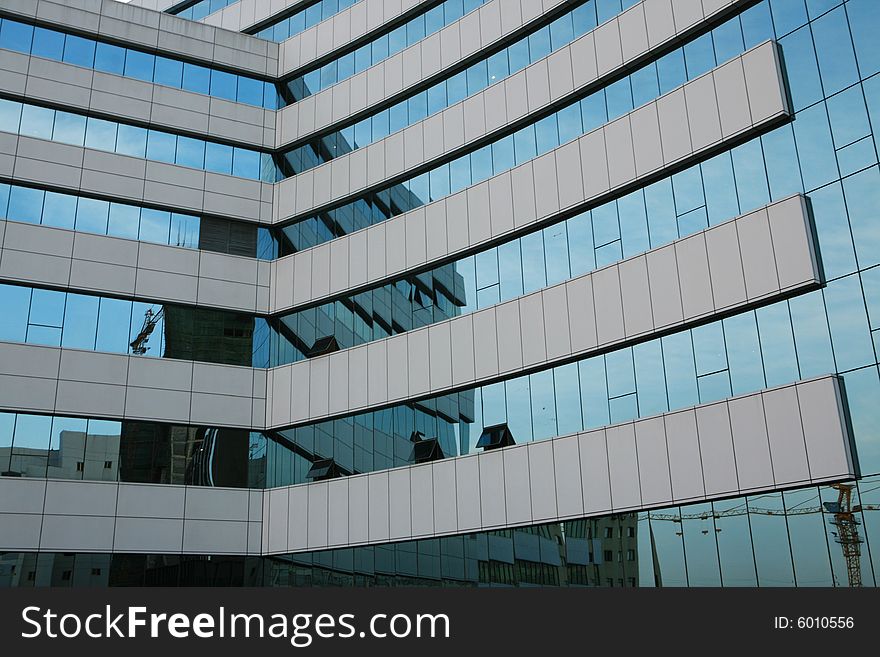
(845, 520)
(847, 533)
(151, 319)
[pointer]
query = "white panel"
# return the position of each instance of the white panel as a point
(276, 518)
(654, 479)
(541, 474)
(358, 509)
(633, 32)
(665, 289)
(733, 103)
(524, 204)
(479, 223)
(567, 476)
(594, 162)
(378, 496)
(619, 144)
(492, 497)
(398, 372)
(693, 268)
(399, 503)
(637, 318)
(608, 49)
(418, 364)
(357, 373)
(702, 108)
(298, 518)
(531, 312)
(319, 514)
(507, 319)
(546, 185)
(583, 54)
(623, 466)
(422, 497)
(609, 314)
(792, 242)
(824, 429)
(581, 316)
(764, 82)
(319, 387)
(444, 496)
(556, 321)
(750, 443)
(462, 345)
(339, 382)
(570, 183)
(377, 373)
(685, 467)
(517, 497)
(646, 139)
(787, 446)
(440, 355)
(467, 493)
(595, 481)
(716, 449)
(725, 265)
(415, 238)
(674, 131)
(485, 344)
(337, 506)
(756, 248)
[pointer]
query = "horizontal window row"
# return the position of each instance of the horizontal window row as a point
(818, 333)
(137, 64)
(766, 169)
(769, 540)
(599, 107)
(78, 130)
(59, 447)
(448, 92)
(281, 29)
(83, 321)
(772, 539)
(196, 11)
(35, 206)
(373, 52)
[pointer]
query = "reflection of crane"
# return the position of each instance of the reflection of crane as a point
(139, 344)
(847, 531)
(845, 520)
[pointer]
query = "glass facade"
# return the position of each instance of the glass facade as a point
(139, 452)
(280, 29)
(137, 64)
(84, 321)
(80, 130)
(538, 137)
(88, 215)
(379, 48)
(476, 77)
(779, 539)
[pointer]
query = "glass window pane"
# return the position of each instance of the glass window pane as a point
(47, 308)
(79, 51)
(80, 322)
(155, 225)
(196, 78)
(223, 85)
(59, 210)
(123, 221)
(139, 65)
(161, 146)
(25, 204)
(190, 152)
(245, 163)
(15, 301)
(168, 72)
(218, 158)
(131, 140)
(69, 128)
(835, 51)
(37, 121)
(16, 36)
(48, 43)
(100, 134)
(10, 115)
(114, 319)
(91, 215)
